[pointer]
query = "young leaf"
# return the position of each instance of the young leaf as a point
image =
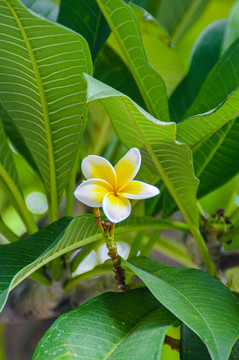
(200, 301)
(42, 91)
(149, 82)
(130, 325)
(55, 240)
(85, 18)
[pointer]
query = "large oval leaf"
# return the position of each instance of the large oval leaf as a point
(112, 326)
(196, 298)
(20, 259)
(42, 90)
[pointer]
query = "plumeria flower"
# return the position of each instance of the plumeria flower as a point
(111, 187)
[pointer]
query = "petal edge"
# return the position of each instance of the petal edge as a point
(116, 208)
(139, 190)
(127, 168)
(97, 167)
(91, 192)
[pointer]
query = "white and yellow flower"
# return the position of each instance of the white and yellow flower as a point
(111, 187)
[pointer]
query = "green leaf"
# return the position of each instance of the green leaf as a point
(196, 130)
(235, 352)
(191, 347)
(57, 239)
(220, 158)
(149, 82)
(85, 18)
(111, 70)
(130, 325)
(178, 15)
(17, 140)
(220, 83)
(42, 91)
(8, 171)
(23, 257)
(232, 32)
(204, 56)
(156, 140)
(161, 54)
(9, 181)
(47, 8)
(200, 301)
(215, 161)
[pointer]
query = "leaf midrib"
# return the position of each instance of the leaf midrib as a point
(134, 70)
(199, 142)
(51, 157)
(130, 332)
(209, 158)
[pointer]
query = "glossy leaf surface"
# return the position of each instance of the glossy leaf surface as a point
(148, 80)
(191, 347)
(200, 301)
(85, 18)
(204, 56)
(42, 90)
(161, 54)
(222, 81)
(53, 241)
(109, 327)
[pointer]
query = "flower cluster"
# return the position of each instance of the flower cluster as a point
(111, 187)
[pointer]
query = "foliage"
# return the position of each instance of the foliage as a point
(100, 77)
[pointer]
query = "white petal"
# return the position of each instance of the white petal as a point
(116, 208)
(97, 167)
(127, 168)
(139, 190)
(91, 192)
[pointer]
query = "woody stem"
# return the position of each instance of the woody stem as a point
(107, 230)
(112, 247)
